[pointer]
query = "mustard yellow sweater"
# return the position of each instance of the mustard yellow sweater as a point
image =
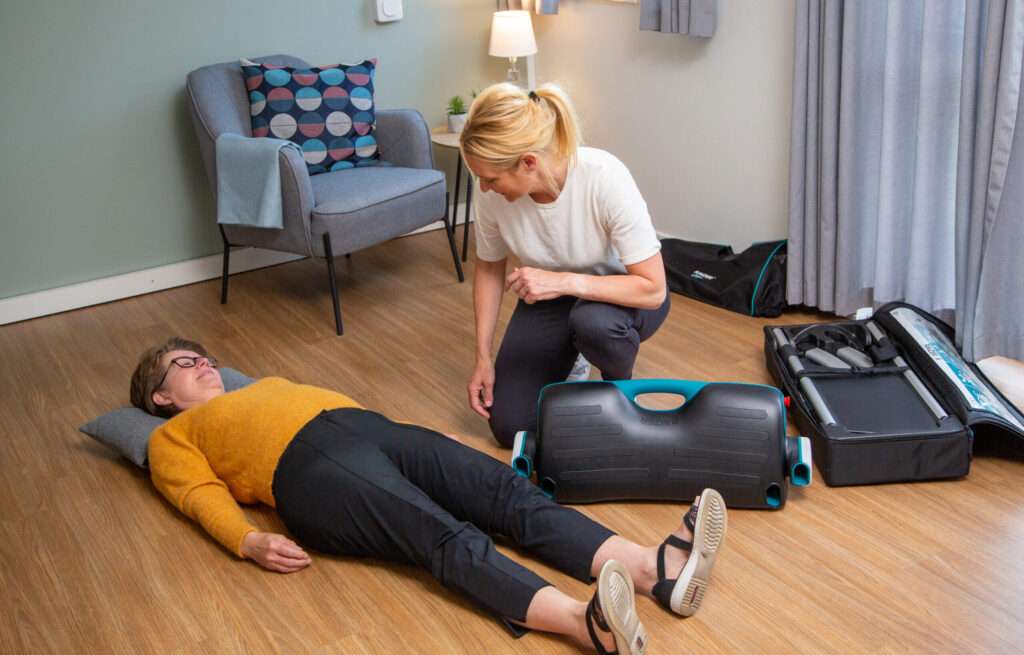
(225, 450)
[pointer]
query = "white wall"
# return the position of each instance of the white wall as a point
(703, 124)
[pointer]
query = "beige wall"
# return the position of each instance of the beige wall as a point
(703, 124)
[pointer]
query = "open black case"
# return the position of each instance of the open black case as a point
(887, 399)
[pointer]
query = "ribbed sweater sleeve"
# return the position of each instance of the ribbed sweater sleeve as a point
(182, 474)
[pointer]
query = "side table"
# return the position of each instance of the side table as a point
(440, 136)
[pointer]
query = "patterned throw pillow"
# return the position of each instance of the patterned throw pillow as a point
(328, 111)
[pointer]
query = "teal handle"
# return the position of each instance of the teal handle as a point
(686, 388)
(798, 456)
(521, 462)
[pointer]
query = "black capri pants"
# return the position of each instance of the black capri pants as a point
(353, 482)
(540, 346)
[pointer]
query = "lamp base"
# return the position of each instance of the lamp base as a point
(512, 74)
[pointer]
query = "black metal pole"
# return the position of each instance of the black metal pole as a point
(455, 199)
(224, 272)
(465, 224)
(450, 233)
(329, 254)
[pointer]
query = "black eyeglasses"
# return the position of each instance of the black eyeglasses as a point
(186, 361)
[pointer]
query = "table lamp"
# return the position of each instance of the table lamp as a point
(512, 37)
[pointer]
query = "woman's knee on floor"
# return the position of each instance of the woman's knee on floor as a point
(516, 414)
(506, 421)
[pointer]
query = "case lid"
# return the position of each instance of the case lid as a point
(965, 390)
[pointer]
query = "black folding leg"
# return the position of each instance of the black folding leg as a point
(465, 224)
(455, 199)
(329, 254)
(224, 273)
(449, 231)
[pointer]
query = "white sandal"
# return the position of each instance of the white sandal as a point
(613, 609)
(706, 519)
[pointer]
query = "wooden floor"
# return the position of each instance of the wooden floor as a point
(92, 560)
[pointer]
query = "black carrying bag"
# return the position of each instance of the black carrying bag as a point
(752, 282)
(871, 423)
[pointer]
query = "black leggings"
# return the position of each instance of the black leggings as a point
(541, 343)
(354, 483)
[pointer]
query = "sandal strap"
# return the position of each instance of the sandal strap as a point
(690, 518)
(671, 540)
(679, 543)
(662, 592)
(596, 616)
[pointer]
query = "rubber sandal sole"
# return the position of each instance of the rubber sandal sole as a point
(618, 602)
(708, 534)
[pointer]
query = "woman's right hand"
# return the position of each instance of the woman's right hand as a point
(481, 388)
(275, 552)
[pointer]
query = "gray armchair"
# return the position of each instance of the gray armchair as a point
(342, 211)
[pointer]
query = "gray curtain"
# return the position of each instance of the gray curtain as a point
(546, 6)
(884, 99)
(693, 17)
(538, 6)
(990, 185)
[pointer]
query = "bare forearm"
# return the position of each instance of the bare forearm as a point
(488, 287)
(626, 290)
(641, 286)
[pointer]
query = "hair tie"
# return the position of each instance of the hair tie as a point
(533, 96)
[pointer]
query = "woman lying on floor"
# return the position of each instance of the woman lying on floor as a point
(348, 481)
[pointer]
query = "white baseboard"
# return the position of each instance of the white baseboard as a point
(126, 285)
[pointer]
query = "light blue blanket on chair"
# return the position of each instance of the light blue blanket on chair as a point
(249, 181)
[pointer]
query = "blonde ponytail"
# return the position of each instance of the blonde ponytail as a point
(505, 122)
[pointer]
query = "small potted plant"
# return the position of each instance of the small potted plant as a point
(456, 114)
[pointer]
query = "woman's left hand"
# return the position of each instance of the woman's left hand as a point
(275, 552)
(533, 284)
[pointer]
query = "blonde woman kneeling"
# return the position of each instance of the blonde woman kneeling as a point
(591, 281)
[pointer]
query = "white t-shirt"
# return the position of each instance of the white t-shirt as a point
(599, 224)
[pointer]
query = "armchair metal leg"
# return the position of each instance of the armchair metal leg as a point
(450, 233)
(329, 254)
(224, 273)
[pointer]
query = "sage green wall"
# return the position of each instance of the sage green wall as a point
(99, 170)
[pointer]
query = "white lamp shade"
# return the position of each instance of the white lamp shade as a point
(512, 34)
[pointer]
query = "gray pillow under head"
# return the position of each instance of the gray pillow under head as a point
(127, 429)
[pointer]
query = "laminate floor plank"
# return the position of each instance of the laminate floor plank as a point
(93, 560)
